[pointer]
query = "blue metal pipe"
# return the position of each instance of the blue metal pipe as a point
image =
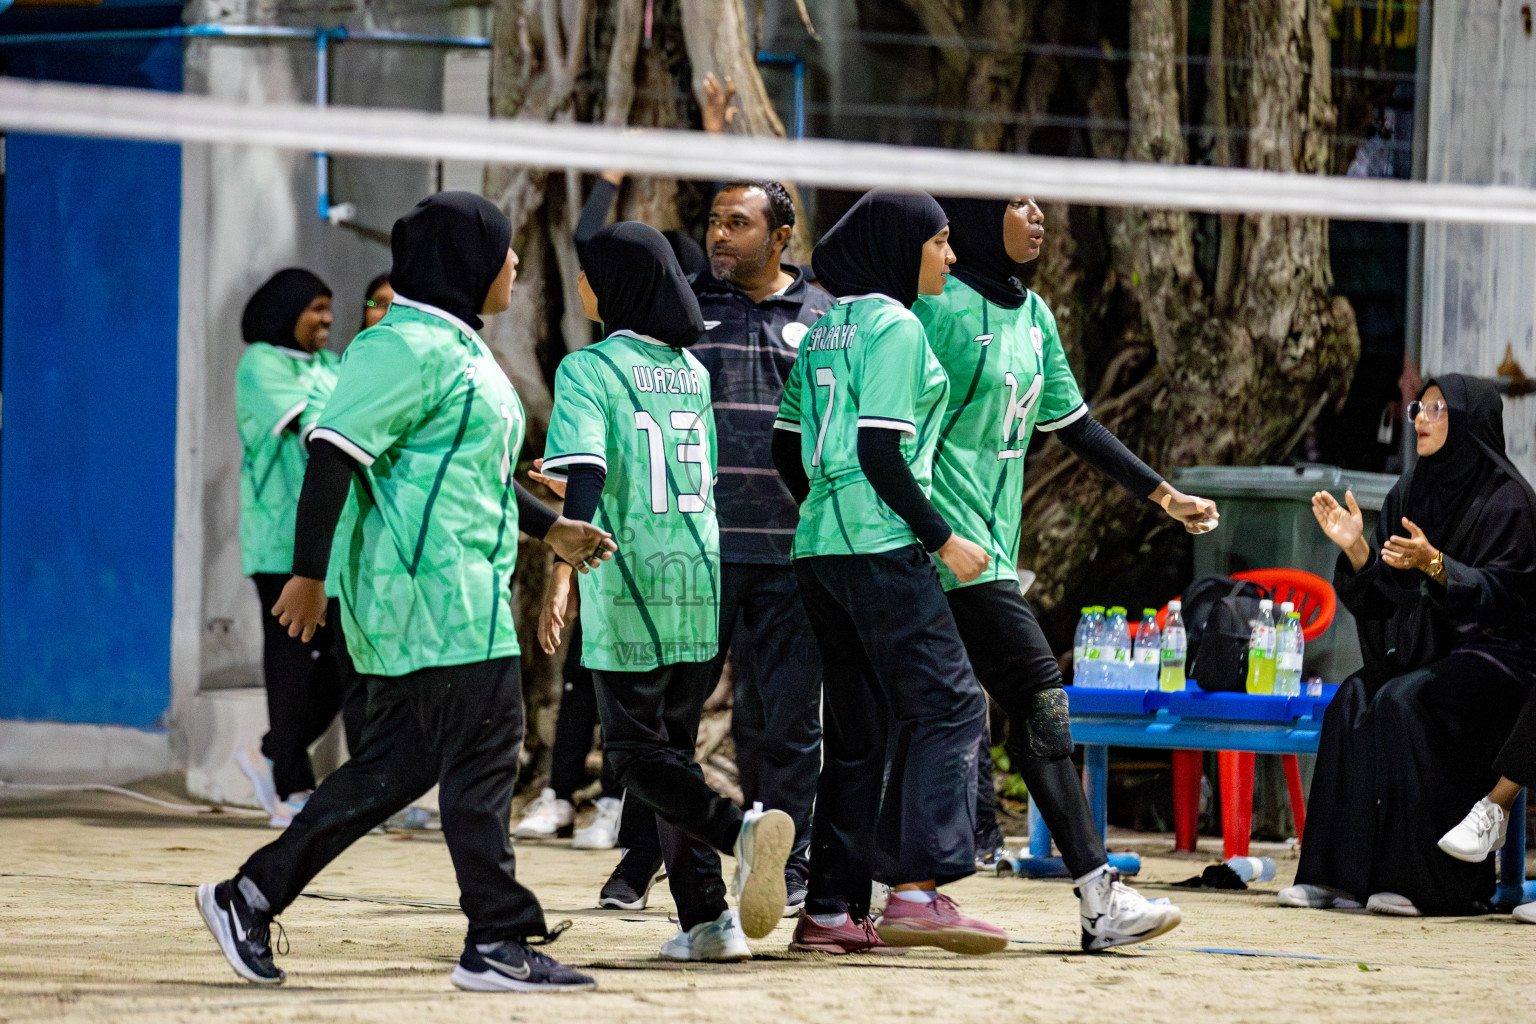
(258, 33)
(321, 37)
(797, 62)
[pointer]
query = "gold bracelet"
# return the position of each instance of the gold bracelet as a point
(1436, 569)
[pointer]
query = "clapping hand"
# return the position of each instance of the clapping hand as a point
(1411, 552)
(1344, 526)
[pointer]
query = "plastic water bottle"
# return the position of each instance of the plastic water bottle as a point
(1170, 678)
(1253, 869)
(1117, 634)
(1097, 653)
(1080, 647)
(1289, 647)
(1261, 650)
(1148, 652)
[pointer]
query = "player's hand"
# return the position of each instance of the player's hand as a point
(1198, 515)
(301, 606)
(558, 486)
(556, 609)
(612, 176)
(581, 544)
(716, 106)
(964, 558)
(1411, 552)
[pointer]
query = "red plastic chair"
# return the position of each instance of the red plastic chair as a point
(1314, 598)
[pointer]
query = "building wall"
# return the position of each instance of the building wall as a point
(1480, 280)
(87, 448)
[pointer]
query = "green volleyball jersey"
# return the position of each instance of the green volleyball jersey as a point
(272, 393)
(430, 532)
(1010, 377)
(865, 363)
(640, 410)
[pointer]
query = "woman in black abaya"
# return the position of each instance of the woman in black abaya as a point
(1443, 598)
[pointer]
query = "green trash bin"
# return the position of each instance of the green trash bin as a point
(1267, 523)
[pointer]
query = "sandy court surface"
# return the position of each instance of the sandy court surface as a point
(97, 923)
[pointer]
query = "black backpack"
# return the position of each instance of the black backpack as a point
(1218, 612)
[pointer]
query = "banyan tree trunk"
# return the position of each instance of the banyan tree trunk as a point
(1236, 376)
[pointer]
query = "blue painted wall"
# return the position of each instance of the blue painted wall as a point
(88, 375)
(87, 448)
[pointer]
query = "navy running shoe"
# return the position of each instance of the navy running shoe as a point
(244, 934)
(513, 966)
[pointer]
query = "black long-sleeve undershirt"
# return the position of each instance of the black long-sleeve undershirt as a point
(1092, 442)
(327, 479)
(583, 488)
(887, 471)
(786, 459)
(594, 212)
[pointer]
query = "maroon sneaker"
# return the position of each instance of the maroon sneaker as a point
(938, 923)
(849, 937)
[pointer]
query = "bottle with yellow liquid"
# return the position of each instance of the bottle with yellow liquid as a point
(1175, 645)
(1261, 650)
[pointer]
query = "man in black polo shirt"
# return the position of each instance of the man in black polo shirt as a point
(757, 310)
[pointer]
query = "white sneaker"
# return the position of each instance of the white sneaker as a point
(1393, 904)
(545, 817)
(603, 833)
(1480, 833)
(762, 847)
(717, 941)
(1525, 913)
(259, 770)
(1316, 897)
(1114, 914)
(288, 810)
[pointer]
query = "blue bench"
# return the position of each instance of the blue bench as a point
(1196, 720)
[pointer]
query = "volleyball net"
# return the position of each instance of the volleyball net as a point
(54, 108)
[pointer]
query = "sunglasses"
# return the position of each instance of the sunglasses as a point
(1433, 412)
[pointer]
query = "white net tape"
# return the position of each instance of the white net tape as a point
(179, 117)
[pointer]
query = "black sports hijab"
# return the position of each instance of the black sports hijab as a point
(878, 245)
(273, 312)
(639, 285)
(981, 258)
(448, 250)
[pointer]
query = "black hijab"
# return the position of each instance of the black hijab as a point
(1446, 491)
(448, 250)
(878, 245)
(273, 312)
(639, 286)
(690, 254)
(981, 258)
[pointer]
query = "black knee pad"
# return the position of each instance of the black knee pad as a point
(1047, 725)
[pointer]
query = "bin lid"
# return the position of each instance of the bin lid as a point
(1284, 483)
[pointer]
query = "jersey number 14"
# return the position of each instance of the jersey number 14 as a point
(1018, 411)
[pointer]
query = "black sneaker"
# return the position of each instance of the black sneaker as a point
(629, 887)
(515, 967)
(243, 933)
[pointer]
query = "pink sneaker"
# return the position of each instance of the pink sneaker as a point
(938, 923)
(849, 937)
